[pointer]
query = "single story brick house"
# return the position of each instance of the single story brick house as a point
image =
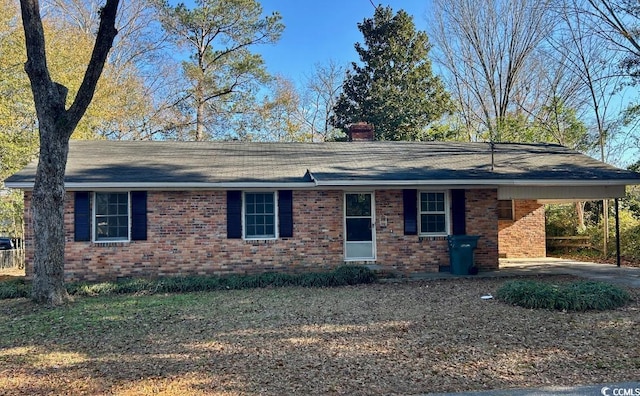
(143, 208)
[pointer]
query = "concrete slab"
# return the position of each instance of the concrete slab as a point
(625, 276)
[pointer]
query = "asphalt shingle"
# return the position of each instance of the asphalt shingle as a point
(250, 162)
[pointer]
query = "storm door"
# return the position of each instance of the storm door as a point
(359, 223)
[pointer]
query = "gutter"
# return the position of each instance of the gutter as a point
(327, 183)
(485, 182)
(168, 186)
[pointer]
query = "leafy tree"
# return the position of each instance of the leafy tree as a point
(278, 117)
(559, 124)
(18, 134)
(137, 91)
(632, 200)
(119, 98)
(56, 124)
(394, 88)
(218, 35)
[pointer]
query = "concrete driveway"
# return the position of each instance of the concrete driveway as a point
(626, 276)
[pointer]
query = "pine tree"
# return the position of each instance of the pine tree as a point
(394, 89)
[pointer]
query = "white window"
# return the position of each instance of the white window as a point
(111, 213)
(260, 215)
(432, 207)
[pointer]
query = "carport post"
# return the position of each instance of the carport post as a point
(617, 233)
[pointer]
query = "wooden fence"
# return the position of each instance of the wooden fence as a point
(569, 242)
(13, 258)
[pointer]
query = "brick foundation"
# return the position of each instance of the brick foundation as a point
(186, 235)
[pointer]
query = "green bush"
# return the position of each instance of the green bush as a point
(345, 275)
(14, 288)
(574, 296)
(353, 275)
(560, 220)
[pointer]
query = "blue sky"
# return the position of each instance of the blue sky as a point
(322, 30)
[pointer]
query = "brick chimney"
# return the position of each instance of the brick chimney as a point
(361, 131)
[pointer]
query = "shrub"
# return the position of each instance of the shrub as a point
(574, 296)
(560, 220)
(14, 288)
(345, 275)
(353, 275)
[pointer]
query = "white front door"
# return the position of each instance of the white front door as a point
(359, 223)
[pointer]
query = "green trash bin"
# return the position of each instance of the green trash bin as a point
(461, 249)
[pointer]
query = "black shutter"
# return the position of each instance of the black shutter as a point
(458, 212)
(139, 215)
(234, 214)
(410, 207)
(82, 217)
(285, 213)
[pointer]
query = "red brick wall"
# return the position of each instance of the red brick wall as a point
(482, 219)
(407, 254)
(523, 237)
(411, 254)
(186, 234)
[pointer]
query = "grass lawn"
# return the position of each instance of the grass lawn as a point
(403, 338)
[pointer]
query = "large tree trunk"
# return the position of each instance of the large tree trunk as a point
(48, 218)
(56, 124)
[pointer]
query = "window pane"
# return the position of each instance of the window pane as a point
(432, 202)
(359, 250)
(358, 204)
(259, 215)
(269, 229)
(112, 216)
(432, 223)
(101, 204)
(359, 229)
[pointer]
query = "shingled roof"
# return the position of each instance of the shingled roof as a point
(147, 164)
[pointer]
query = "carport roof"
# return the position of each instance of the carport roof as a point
(188, 165)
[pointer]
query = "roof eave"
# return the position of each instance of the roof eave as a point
(28, 185)
(167, 186)
(485, 182)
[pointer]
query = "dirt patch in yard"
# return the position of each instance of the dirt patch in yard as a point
(405, 338)
(11, 273)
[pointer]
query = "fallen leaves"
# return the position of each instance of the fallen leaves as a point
(403, 338)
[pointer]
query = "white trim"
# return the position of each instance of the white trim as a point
(484, 183)
(275, 216)
(373, 226)
(164, 186)
(584, 193)
(168, 186)
(94, 223)
(447, 213)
